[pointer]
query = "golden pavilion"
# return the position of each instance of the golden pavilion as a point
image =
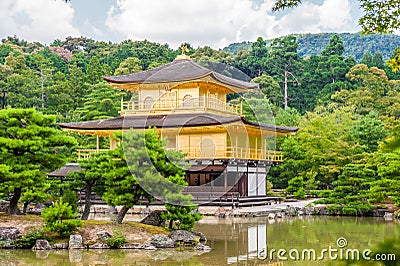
(187, 104)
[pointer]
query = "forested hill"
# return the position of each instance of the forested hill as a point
(355, 44)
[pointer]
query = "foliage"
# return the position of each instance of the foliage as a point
(28, 240)
(31, 147)
(117, 240)
(355, 44)
(296, 187)
(61, 219)
(394, 61)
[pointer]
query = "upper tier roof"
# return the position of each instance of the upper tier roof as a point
(179, 71)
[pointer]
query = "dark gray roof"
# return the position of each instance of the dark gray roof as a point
(178, 71)
(167, 121)
(65, 170)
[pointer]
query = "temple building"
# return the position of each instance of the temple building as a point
(187, 104)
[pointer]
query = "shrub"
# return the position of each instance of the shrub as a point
(60, 219)
(29, 240)
(117, 240)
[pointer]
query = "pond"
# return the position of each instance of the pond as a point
(240, 241)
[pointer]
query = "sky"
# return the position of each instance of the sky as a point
(215, 23)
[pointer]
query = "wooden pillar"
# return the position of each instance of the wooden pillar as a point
(263, 147)
(97, 143)
(247, 145)
(189, 146)
(236, 148)
(256, 149)
(225, 180)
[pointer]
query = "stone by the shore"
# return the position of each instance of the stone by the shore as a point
(154, 218)
(42, 244)
(7, 235)
(150, 248)
(63, 245)
(159, 241)
(75, 242)
(179, 236)
(4, 205)
(103, 236)
(202, 247)
(11, 233)
(201, 236)
(99, 246)
(132, 246)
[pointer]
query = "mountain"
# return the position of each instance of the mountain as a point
(355, 44)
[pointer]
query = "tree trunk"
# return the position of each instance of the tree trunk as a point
(88, 202)
(14, 200)
(121, 214)
(26, 204)
(285, 105)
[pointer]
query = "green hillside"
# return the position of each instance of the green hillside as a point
(355, 44)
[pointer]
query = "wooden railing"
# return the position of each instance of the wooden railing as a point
(171, 104)
(233, 152)
(86, 153)
(227, 153)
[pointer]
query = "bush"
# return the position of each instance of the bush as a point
(117, 240)
(60, 219)
(29, 240)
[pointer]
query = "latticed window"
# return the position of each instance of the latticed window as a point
(148, 102)
(188, 101)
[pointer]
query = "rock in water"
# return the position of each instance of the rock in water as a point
(41, 244)
(154, 218)
(202, 247)
(201, 236)
(75, 242)
(183, 236)
(61, 245)
(159, 241)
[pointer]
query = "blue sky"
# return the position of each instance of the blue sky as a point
(200, 22)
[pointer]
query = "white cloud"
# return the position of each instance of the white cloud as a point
(218, 23)
(200, 22)
(39, 20)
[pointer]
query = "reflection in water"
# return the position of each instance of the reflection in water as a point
(235, 241)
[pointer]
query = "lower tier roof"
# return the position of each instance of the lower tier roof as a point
(169, 121)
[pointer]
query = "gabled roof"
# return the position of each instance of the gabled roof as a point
(65, 170)
(169, 121)
(179, 71)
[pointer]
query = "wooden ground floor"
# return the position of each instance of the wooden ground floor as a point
(228, 182)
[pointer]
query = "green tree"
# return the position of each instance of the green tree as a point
(256, 60)
(60, 218)
(91, 178)
(99, 102)
(369, 131)
(394, 61)
(270, 88)
(367, 59)
(128, 66)
(296, 187)
(284, 62)
(31, 147)
(94, 71)
(350, 191)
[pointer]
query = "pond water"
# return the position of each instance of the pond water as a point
(238, 241)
